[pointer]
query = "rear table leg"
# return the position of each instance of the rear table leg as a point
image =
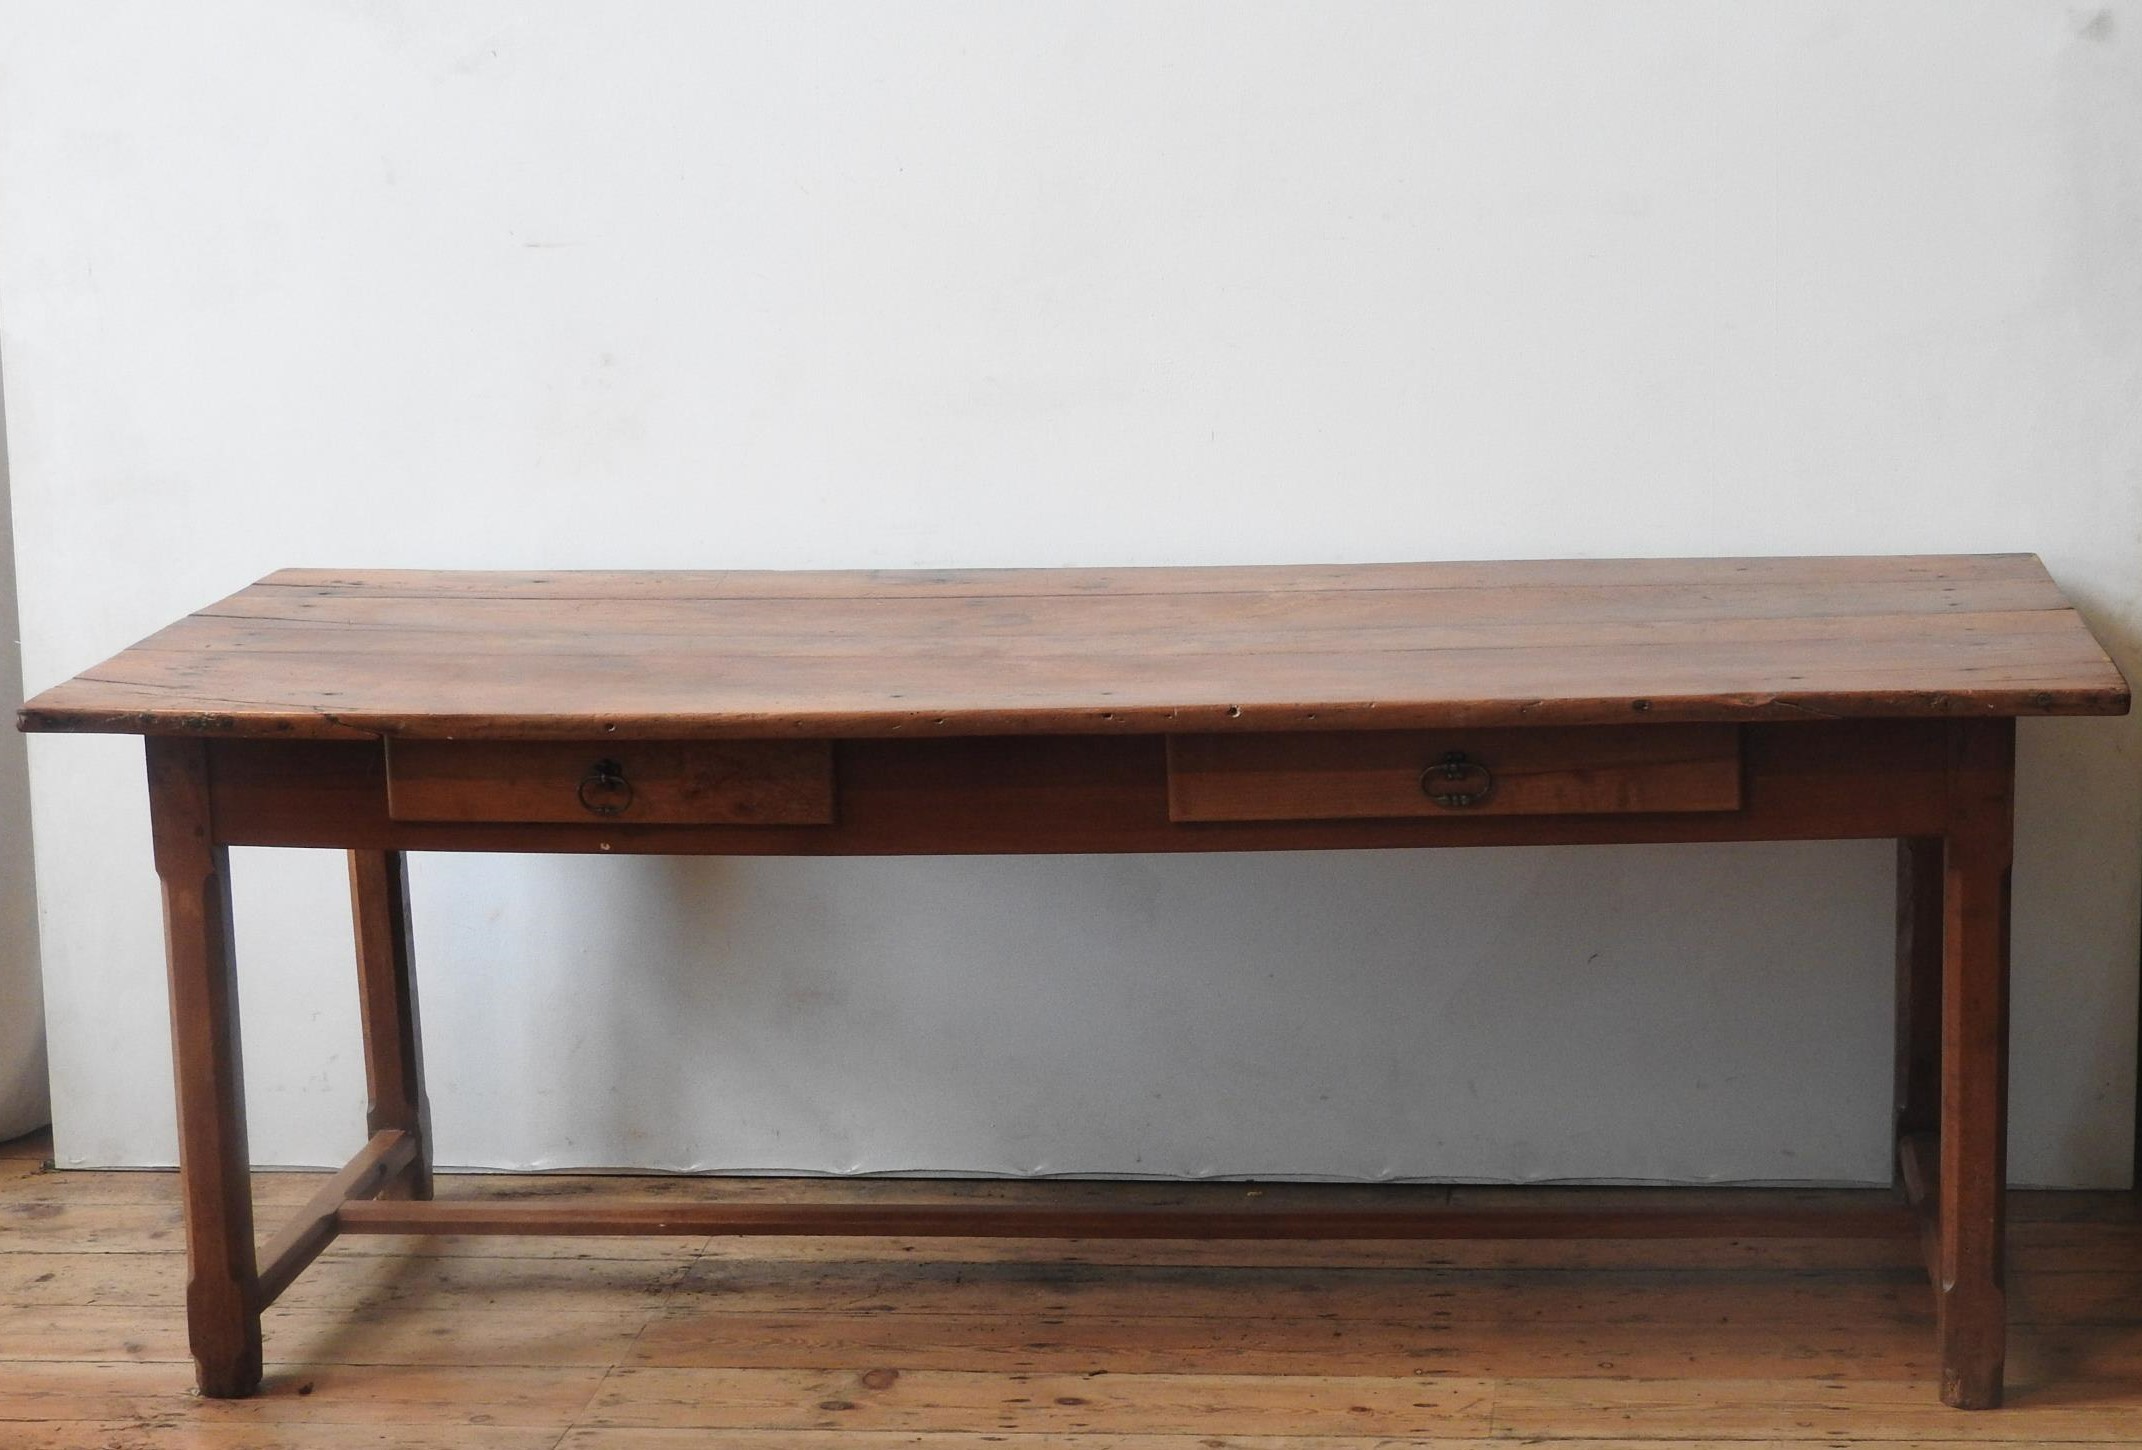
(1920, 888)
(386, 989)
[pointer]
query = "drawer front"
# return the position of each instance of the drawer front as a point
(1338, 775)
(714, 782)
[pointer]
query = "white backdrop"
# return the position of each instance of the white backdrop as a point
(23, 1102)
(556, 284)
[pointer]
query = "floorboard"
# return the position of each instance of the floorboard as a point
(961, 1344)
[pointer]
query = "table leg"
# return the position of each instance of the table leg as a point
(1972, 1302)
(1920, 889)
(215, 1169)
(387, 1001)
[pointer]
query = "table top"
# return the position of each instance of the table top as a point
(323, 653)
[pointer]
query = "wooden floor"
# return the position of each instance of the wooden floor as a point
(649, 1344)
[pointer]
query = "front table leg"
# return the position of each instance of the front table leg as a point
(222, 1287)
(1972, 1302)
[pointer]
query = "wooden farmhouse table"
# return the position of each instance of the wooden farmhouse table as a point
(1092, 710)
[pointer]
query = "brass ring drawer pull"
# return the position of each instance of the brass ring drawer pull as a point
(1458, 780)
(604, 789)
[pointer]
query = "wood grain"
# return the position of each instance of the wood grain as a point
(460, 655)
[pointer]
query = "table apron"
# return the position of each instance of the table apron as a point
(1019, 795)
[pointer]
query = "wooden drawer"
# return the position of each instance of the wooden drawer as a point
(1336, 775)
(713, 782)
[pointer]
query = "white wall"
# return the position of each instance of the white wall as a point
(551, 284)
(24, 1100)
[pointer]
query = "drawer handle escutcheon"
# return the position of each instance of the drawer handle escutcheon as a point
(1458, 780)
(604, 789)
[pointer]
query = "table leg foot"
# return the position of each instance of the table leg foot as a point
(223, 1332)
(1973, 1330)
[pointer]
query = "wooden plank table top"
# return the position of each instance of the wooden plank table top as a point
(323, 654)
